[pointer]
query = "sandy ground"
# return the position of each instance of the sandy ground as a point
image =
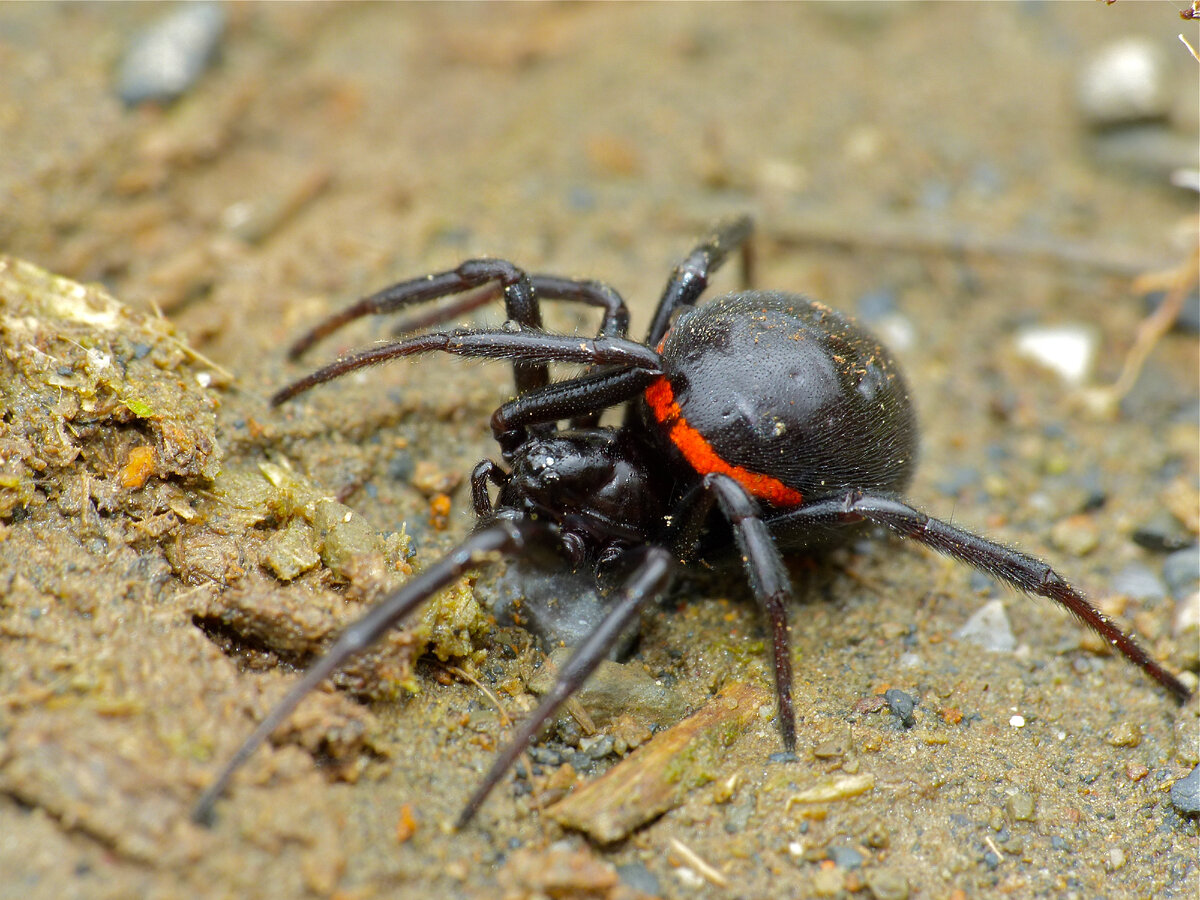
(924, 165)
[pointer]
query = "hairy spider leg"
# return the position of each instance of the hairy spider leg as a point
(651, 577)
(1026, 573)
(690, 277)
(763, 565)
(537, 347)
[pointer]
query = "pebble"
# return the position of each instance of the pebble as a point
(885, 884)
(1185, 793)
(165, 59)
(989, 628)
(1138, 582)
(1022, 807)
(638, 877)
(1066, 350)
(1124, 83)
(901, 705)
(845, 857)
(1181, 571)
(1077, 535)
(1162, 533)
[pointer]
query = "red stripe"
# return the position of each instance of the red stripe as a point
(700, 453)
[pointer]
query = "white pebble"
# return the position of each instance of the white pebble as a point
(1066, 350)
(1125, 82)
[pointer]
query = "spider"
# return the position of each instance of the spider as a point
(761, 416)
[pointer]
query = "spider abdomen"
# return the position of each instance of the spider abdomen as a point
(787, 396)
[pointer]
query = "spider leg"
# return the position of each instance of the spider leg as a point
(1023, 572)
(519, 346)
(690, 277)
(578, 399)
(648, 580)
(764, 569)
(481, 547)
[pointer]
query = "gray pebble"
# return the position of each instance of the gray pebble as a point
(164, 60)
(1185, 793)
(1125, 82)
(901, 705)
(988, 628)
(1139, 582)
(845, 857)
(1181, 571)
(638, 877)
(885, 884)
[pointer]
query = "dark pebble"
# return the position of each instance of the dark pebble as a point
(991, 860)
(1162, 533)
(638, 877)
(901, 705)
(845, 857)
(1185, 793)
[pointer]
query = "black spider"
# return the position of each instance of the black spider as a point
(789, 419)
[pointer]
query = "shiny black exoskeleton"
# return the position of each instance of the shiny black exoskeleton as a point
(767, 412)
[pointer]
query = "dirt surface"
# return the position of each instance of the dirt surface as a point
(171, 548)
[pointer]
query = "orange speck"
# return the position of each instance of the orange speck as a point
(139, 466)
(439, 511)
(406, 827)
(951, 715)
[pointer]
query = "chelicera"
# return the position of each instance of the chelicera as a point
(761, 416)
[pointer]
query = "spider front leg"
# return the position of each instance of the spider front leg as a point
(520, 347)
(1026, 573)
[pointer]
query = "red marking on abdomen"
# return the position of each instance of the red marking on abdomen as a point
(700, 453)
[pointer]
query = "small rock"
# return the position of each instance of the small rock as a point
(290, 552)
(638, 877)
(885, 884)
(845, 857)
(166, 59)
(1138, 582)
(1162, 533)
(1181, 571)
(1116, 859)
(1185, 793)
(901, 705)
(1066, 350)
(1077, 535)
(1022, 807)
(989, 628)
(1125, 83)
(1124, 734)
